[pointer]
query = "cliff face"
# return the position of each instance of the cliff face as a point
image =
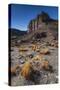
(43, 27)
(42, 22)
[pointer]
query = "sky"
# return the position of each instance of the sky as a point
(22, 14)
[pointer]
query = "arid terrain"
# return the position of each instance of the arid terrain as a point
(29, 53)
(34, 54)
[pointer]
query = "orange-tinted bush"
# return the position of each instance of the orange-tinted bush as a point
(44, 51)
(45, 65)
(14, 69)
(26, 70)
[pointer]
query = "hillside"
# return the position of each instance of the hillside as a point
(16, 32)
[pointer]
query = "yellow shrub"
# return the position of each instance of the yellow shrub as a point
(26, 69)
(45, 64)
(44, 51)
(23, 49)
(13, 69)
(37, 57)
(34, 47)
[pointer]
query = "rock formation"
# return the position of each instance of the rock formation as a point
(42, 21)
(43, 25)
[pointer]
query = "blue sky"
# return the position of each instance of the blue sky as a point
(22, 14)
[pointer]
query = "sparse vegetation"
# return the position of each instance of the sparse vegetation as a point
(23, 49)
(45, 51)
(26, 70)
(14, 70)
(36, 52)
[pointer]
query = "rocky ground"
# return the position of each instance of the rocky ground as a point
(27, 52)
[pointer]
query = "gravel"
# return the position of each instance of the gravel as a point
(45, 77)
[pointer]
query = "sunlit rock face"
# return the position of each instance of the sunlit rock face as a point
(43, 26)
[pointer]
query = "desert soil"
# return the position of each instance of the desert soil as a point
(45, 77)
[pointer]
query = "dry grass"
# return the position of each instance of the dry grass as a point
(26, 70)
(37, 57)
(45, 64)
(41, 62)
(34, 47)
(14, 69)
(23, 49)
(44, 51)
